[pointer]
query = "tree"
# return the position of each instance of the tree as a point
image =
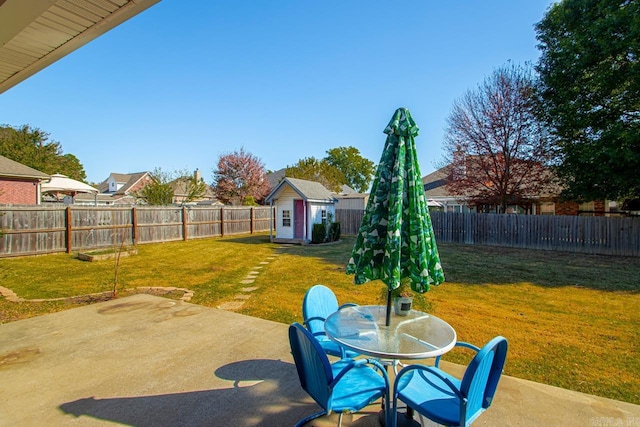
(590, 91)
(159, 191)
(195, 187)
(496, 147)
(31, 147)
(240, 175)
(357, 170)
(320, 171)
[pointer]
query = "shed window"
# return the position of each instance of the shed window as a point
(286, 218)
(324, 216)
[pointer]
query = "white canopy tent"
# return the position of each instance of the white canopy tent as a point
(63, 184)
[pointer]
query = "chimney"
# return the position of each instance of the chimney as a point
(197, 175)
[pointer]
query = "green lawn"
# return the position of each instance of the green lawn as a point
(572, 320)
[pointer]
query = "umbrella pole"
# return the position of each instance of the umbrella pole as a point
(388, 319)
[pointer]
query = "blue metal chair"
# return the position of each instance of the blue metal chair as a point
(443, 398)
(347, 385)
(320, 302)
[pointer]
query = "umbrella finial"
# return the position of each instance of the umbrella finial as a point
(402, 124)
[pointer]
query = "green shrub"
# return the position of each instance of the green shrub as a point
(318, 233)
(334, 232)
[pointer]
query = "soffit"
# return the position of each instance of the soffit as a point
(36, 33)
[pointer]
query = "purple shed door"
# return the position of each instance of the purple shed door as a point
(298, 219)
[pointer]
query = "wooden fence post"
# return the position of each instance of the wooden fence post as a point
(184, 223)
(134, 225)
(222, 221)
(68, 234)
(252, 220)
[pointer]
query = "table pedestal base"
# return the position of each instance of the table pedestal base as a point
(403, 420)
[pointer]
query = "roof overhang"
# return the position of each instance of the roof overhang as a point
(36, 33)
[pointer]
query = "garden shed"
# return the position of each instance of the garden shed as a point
(298, 205)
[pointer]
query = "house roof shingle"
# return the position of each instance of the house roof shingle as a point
(434, 183)
(12, 169)
(127, 179)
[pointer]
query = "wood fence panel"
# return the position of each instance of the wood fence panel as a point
(31, 230)
(159, 224)
(203, 222)
(593, 235)
(93, 227)
(237, 220)
(43, 229)
(262, 217)
(349, 219)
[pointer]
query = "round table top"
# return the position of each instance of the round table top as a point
(415, 336)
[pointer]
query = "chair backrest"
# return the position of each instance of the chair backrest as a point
(319, 302)
(312, 364)
(482, 375)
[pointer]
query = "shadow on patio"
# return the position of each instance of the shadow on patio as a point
(148, 361)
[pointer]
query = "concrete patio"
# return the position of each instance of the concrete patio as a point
(150, 361)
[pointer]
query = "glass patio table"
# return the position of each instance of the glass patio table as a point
(417, 335)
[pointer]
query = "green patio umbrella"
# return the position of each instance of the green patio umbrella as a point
(395, 240)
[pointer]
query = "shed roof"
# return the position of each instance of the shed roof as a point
(309, 190)
(12, 169)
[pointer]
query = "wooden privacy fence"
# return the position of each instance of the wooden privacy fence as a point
(42, 230)
(593, 235)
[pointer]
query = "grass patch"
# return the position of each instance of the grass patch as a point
(572, 320)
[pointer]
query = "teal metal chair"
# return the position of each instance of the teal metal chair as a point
(347, 385)
(443, 398)
(318, 304)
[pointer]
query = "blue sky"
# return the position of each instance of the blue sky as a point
(187, 81)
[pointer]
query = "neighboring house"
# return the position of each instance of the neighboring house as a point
(117, 189)
(299, 204)
(19, 184)
(435, 191)
(549, 203)
(180, 192)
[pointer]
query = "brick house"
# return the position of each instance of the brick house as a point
(545, 204)
(19, 184)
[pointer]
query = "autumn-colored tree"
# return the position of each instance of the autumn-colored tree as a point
(497, 149)
(320, 171)
(239, 176)
(32, 147)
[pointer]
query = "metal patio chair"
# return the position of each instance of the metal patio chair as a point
(320, 302)
(445, 399)
(347, 385)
